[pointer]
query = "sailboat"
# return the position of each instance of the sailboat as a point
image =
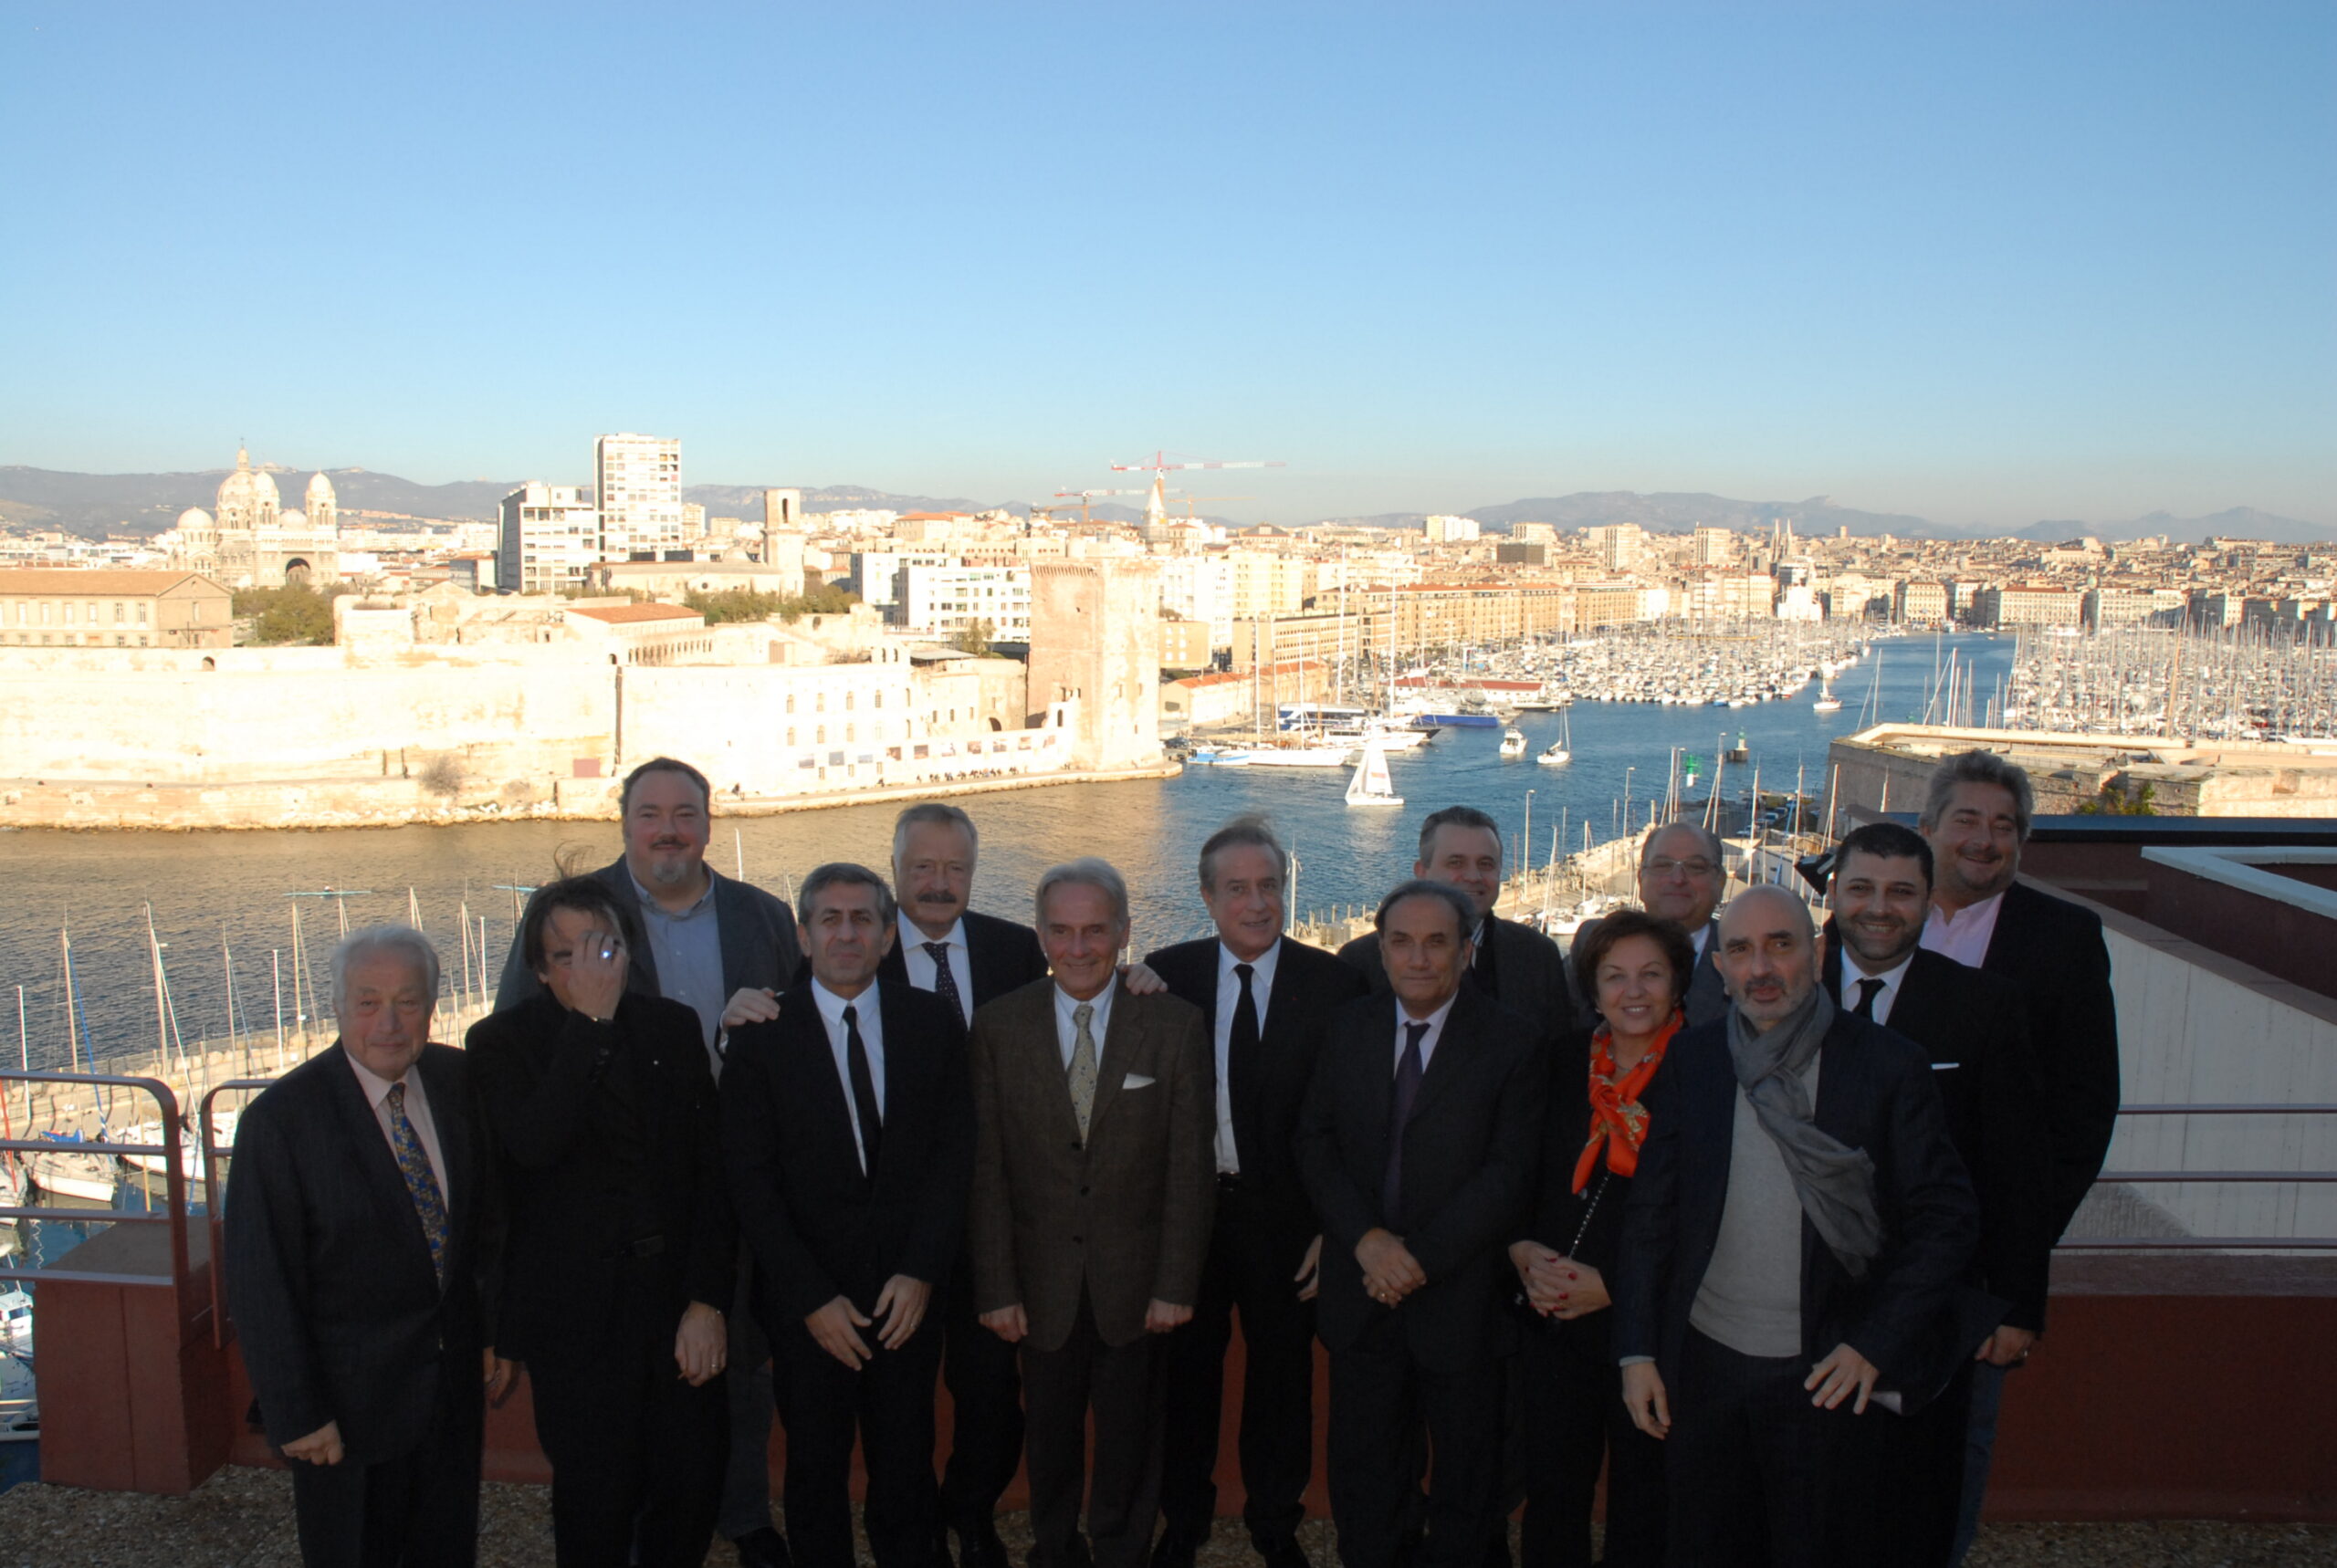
(1827, 701)
(1561, 750)
(1372, 786)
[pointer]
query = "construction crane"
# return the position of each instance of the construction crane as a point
(1156, 509)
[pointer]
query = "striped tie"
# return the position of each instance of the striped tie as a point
(413, 1165)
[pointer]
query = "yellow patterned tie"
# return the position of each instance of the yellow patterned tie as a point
(1083, 1068)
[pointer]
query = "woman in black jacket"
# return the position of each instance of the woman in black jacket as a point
(600, 1108)
(1635, 968)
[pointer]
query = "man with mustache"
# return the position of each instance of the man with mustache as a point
(1973, 1026)
(1796, 1229)
(700, 938)
(1975, 817)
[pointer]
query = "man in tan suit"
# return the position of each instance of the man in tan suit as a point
(1092, 1202)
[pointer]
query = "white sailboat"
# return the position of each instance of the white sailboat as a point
(1372, 786)
(1560, 751)
(1827, 701)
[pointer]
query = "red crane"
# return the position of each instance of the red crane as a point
(1157, 507)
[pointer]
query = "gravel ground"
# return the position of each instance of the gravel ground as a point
(243, 1519)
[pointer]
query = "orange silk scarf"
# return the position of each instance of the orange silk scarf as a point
(1617, 1123)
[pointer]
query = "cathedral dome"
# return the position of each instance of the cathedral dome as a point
(293, 520)
(320, 490)
(246, 487)
(194, 520)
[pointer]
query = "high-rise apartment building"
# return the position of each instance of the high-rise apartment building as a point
(1714, 546)
(640, 495)
(1618, 546)
(550, 539)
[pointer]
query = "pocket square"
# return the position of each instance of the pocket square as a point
(1135, 1081)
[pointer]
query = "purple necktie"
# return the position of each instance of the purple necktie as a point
(1408, 1089)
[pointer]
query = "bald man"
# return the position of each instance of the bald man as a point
(1791, 1251)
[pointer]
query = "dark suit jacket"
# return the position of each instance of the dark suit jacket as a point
(1973, 1028)
(1530, 975)
(2053, 950)
(818, 1227)
(1004, 956)
(758, 943)
(1310, 985)
(1585, 1225)
(1470, 1151)
(1874, 1092)
(1126, 1214)
(1707, 996)
(341, 1316)
(536, 1068)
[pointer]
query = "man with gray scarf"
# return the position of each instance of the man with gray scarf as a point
(1789, 1259)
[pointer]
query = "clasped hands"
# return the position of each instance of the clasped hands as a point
(1555, 1285)
(1013, 1324)
(1391, 1272)
(900, 1308)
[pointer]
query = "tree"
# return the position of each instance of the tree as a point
(295, 614)
(2113, 801)
(975, 638)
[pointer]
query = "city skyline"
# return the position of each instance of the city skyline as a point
(2010, 264)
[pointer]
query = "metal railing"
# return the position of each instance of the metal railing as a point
(2204, 1243)
(174, 1214)
(214, 1210)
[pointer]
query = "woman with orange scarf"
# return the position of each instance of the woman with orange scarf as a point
(1637, 969)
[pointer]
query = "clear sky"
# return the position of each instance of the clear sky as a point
(1983, 263)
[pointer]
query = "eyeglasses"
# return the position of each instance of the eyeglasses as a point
(1661, 868)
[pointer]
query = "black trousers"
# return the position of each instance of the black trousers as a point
(1926, 1475)
(1575, 1422)
(1760, 1478)
(1121, 1386)
(1249, 1270)
(888, 1404)
(985, 1387)
(419, 1510)
(1379, 1396)
(636, 1453)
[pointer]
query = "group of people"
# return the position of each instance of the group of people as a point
(1749, 1216)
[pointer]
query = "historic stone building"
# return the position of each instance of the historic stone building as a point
(252, 542)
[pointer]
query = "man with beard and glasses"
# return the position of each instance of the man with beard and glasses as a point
(1974, 1028)
(700, 938)
(1975, 817)
(1797, 1226)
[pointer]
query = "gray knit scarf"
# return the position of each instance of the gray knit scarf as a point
(1834, 1181)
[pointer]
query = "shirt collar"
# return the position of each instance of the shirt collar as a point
(1066, 1005)
(913, 937)
(376, 1087)
(1970, 913)
(1852, 974)
(1261, 967)
(650, 905)
(832, 1005)
(1434, 1020)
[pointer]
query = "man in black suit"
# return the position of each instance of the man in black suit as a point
(1268, 999)
(970, 960)
(1682, 873)
(1418, 1145)
(1976, 815)
(357, 1232)
(1462, 847)
(1972, 1027)
(621, 1253)
(725, 950)
(1796, 1230)
(848, 1128)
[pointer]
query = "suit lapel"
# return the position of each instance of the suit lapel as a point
(376, 1164)
(1033, 1035)
(1123, 1042)
(1456, 1045)
(826, 1086)
(736, 928)
(453, 1123)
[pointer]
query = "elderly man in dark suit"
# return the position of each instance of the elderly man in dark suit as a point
(1797, 1229)
(1682, 874)
(849, 1132)
(1975, 817)
(1268, 999)
(1091, 1212)
(971, 960)
(724, 949)
(1972, 1027)
(620, 1253)
(1461, 846)
(357, 1225)
(1418, 1143)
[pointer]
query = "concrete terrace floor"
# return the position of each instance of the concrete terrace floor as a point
(243, 1519)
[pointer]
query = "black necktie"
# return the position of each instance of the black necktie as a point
(1408, 1089)
(1869, 989)
(864, 1091)
(945, 981)
(1241, 1046)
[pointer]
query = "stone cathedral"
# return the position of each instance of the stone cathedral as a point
(252, 542)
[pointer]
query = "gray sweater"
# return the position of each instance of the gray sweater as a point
(1750, 1297)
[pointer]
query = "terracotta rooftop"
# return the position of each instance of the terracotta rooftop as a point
(79, 579)
(635, 614)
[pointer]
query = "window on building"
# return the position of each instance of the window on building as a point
(790, 705)
(121, 612)
(820, 735)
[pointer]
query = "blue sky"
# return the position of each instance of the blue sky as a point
(1988, 263)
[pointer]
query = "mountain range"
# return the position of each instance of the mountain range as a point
(92, 504)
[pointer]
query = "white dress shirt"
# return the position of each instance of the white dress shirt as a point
(1067, 1027)
(417, 1111)
(1963, 936)
(1699, 937)
(1229, 997)
(920, 966)
(870, 1019)
(1435, 1022)
(1892, 978)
